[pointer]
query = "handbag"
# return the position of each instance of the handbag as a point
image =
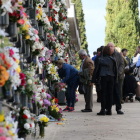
(81, 88)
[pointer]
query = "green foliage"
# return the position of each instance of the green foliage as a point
(123, 24)
(80, 17)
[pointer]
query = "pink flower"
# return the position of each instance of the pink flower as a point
(2, 138)
(11, 52)
(36, 39)
(22, 82)
(1, 130)
(36, 32)
(8, 138)
(22, 75)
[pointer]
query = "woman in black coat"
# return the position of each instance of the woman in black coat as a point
(106, 72)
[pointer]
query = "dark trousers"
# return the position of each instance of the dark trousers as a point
(116, 97)
(107, 85)
(71, 94)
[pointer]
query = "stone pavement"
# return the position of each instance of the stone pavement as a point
(89, 126)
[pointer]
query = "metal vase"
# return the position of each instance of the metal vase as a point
(24, 100)
(28, 4)
(19, 42)
(46, 4)
(34, 59)
(12, 29)
(7, 91)
(52, 58)
(30, 106)
(14, 39)
(4, 20)
(16, 98)
(27, 53)
(41, 32)
(32, 13)
(22, 50)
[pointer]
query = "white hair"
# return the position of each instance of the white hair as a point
(82, 52)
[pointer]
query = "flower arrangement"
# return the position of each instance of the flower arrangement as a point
(60, 87)
(43, 122)
(31, 82)
(42, 98)
(51, 72)
(54, 110)
(8, 128)
(76, 99)
(26, 122)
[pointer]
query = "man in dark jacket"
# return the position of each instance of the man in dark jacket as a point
(124, 52)
(120, 68)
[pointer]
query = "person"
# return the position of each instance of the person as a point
(98, 51)
(69, 75)
(106, 70)
(124, 53)
(120, 67)
(121, 78)
(87, 68)
(129, 86)
(97, 84)
(94, 56)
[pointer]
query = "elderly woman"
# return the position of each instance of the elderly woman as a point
(106, 70)
(69, 75)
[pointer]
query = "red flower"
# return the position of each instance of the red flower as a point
(11, 52)
(64, 18)
(53, 19)
(51, 6)
(42, 90)
(62, 43)
(21, 21)
(22, 75)
(30, 125)
(22, 82)
(25, 116)
(35, 83)
(56, 100)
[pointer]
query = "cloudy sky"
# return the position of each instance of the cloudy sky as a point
(95, 12)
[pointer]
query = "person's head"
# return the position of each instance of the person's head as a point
(101, 48)
(112, 47)
(82, 54)
(106, 51)
(137, 51)
(59, 63)
(94, 53)
(98, 51)
(126, 71)
(124, 52)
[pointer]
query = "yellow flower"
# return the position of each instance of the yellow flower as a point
(10, 125)
(20, 3)
(27, 26)
(63, 119)
(10, 132)
(40, 12)
(27, 36)
(18, 69)
(53, 101)
(17, 61)
(1, 118)
(57, 109)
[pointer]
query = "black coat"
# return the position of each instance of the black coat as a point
(105, 66)
(130, 85)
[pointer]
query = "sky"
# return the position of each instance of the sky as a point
(95, 13)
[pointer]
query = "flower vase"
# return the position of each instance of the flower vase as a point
(12, 29)
(46, 4)
(29, 59)
(32, 14)
(41, 32)
(16, 98)
(22, 50)
(24, 100)
(41, 132)
(27, 53)
(52, 58)
(19, 42)
(34, 59)
(4, 20)
(28, 4)
(30, 106)
(7, 91)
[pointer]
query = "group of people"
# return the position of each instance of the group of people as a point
(110, 70)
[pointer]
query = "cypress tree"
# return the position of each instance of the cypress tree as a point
(123, 24)
(81, 20)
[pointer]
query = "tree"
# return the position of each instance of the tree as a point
(81, 20)
(123, 24)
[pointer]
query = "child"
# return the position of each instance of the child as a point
(129, 87)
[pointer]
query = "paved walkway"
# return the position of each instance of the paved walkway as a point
(89, 126)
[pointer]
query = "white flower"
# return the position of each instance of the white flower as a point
(29, 81)
(41, 102)
(49, 72)
(26, 126)
(44, 95)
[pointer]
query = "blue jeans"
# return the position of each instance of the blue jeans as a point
(71, 93)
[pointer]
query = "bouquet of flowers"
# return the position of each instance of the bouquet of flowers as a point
(42, 98)
(8, 128)
(76, 99)
(54, 110)
(43, 122)
(31, 82)
(60, 87)
(26, 122)
(51, 72)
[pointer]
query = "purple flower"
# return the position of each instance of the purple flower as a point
(48, 95)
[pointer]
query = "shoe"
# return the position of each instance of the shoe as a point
(66, 109)
(137, 98)
(86, 110)
(101, 113)
(122, 101)
(71, 109)
(127, 98)
(131, 100)
(119, 112)
(108, 113)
